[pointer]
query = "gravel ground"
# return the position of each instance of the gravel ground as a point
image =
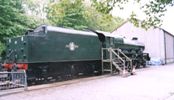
(154, 83)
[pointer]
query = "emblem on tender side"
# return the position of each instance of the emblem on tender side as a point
(72, 46)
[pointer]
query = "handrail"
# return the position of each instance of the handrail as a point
(124, 54)
(125, 60)
(117, 55)
(124, 63)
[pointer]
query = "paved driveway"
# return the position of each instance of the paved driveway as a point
(154, 83)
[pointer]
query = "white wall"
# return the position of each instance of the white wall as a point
(169, 48)
(152, 38)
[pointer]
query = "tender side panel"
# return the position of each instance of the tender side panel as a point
(58, 47)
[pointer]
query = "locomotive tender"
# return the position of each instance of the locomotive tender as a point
(54, 54)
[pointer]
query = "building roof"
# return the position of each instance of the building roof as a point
(166, 32)
(135, 26)
(120, 25)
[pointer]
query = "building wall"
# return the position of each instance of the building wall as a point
(152, 38)
(169, 48)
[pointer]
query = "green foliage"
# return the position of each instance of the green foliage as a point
(154, 10)
(2, 47)
(105, 6)
(134, 20)
(13, 21)
(67, 13)
(33, 6)
(100, 21)
(75, 14)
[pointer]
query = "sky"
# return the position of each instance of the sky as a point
(168, 19)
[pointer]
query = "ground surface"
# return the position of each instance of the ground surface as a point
(154, 83)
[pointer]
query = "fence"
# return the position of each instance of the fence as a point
(12, 81)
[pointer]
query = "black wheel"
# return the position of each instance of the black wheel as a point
(132, 73)
(144, 65)
(14, 67)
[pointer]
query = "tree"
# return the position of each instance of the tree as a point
(13, 21)
(35, 9)
(154, 10)
(100, 21)
(67, 13)
(75, 14)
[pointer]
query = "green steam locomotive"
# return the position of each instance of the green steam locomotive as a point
(50, 53)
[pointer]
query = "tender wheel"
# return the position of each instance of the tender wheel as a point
(14, 68)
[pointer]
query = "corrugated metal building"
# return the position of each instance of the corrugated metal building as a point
(158, 42)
